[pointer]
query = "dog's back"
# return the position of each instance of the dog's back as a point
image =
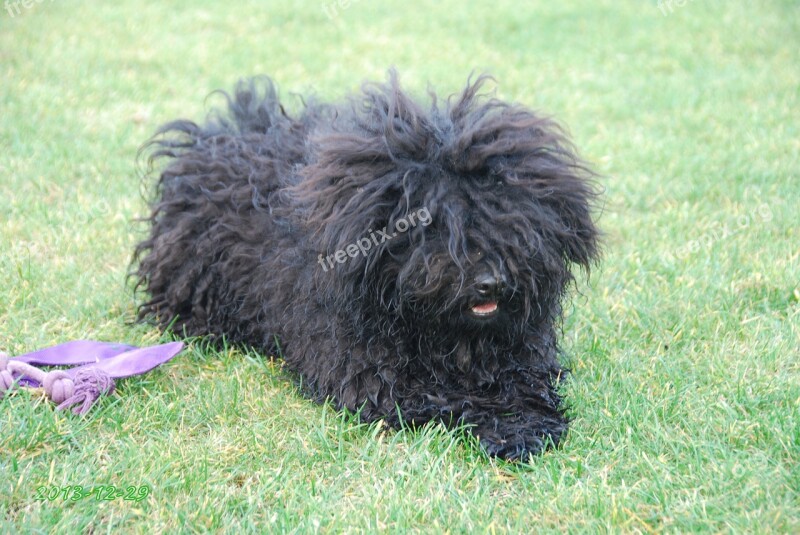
(213, 212)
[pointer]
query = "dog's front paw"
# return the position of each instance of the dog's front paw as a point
(515, 448)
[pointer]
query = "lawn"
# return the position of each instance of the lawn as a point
(685, 390)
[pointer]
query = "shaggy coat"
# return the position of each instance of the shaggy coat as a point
(408, 262)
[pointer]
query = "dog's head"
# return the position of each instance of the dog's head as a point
(469, 216)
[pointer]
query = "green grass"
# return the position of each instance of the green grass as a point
(684, 347)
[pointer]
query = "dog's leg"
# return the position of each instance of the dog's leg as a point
(517, 436)
(516, 417)
(523, 418)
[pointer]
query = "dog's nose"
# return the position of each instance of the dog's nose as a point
(489, 284)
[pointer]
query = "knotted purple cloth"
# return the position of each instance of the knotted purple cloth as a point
(97, 364)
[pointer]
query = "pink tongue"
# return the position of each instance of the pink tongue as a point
(485, 308)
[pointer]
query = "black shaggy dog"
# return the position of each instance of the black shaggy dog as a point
(407, 261)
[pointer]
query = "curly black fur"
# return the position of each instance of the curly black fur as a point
(453, 320)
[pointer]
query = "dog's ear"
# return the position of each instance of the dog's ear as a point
(351, 197)
(566, 194)
(356, 183)
(566, 190)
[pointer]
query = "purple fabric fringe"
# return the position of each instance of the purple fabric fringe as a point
(97, 364)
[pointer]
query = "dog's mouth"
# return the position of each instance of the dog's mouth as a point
(486, 309)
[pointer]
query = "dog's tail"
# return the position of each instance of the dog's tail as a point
(254, 106)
